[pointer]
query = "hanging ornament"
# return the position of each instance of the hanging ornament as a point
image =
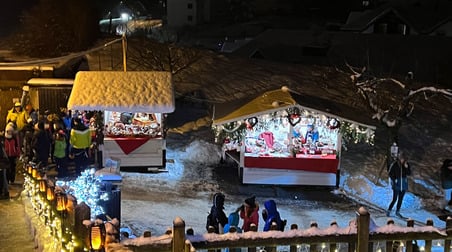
(333, 123)
(293, 115)
(251, 122)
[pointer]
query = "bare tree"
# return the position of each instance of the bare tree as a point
(392, 100)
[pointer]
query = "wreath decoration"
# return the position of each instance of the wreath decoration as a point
(333, 123)
(293, 115)
(251, 122)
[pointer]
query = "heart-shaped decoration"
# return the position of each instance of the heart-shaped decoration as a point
(252, 121)
(293, 119)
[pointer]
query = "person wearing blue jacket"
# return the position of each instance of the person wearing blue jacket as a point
(270, 214)
(233, 221)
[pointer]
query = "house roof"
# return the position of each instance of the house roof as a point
(136, 91)
(422, 15)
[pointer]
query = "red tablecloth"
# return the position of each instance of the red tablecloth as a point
(327, 164)
(129, 144)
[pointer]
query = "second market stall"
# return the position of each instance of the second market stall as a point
(283, 138)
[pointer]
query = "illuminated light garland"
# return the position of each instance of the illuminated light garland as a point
(85, 188)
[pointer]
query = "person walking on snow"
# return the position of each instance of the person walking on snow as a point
(398, 172)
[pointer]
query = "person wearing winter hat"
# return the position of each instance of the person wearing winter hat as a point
(14, 113)
(12, 150)
(249, 212)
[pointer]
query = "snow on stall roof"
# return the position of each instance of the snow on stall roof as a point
(50, 81)
(135, 91)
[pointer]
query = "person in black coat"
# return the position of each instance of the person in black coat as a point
(217, 216)
(446, 182)
(399, 170)
(41, 144)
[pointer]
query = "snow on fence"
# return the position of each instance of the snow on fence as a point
(361, 235)
(66, 222)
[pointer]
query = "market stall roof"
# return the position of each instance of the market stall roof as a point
(277, 100)
(134, 91)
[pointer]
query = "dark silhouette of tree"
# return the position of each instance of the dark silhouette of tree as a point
(392, 100)
(55, 28)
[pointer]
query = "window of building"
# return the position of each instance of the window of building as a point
(190, 18)
(189, 6)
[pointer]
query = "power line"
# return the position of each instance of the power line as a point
(62, 58)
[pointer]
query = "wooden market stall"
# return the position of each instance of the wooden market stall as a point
(134, 104)
(284, 138)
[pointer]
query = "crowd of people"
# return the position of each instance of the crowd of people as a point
(248, 212)
(45, 139)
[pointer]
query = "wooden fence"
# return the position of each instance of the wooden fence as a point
(361, 235)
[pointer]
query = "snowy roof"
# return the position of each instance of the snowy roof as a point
(50, 82)
(277, 100)
(135, 91)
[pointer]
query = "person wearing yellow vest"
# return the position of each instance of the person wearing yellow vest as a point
(13, 114)
(80, 142)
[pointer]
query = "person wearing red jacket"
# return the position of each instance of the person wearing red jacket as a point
(12, 149)
(249, 212)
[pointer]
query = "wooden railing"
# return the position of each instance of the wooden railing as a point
(361, 235)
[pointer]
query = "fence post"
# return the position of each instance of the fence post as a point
(293, 248)
(448, 232)
(333, 245)
(178, 235)
(409, 243)
(390, 243)
(313, 247)
(253, 228)
(428, 243)
(273, 227)
(363, 229)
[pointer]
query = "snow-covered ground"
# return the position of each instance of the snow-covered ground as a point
(152, 201)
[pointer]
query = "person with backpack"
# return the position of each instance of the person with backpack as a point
(270, 214)
(12, 150)
(399, 170)
(217, 217)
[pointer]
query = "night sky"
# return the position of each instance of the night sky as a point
(10, 14)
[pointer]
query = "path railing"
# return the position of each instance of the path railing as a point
(361, 235)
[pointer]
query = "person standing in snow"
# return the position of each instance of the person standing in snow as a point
(80, 141)
(40, 143)
(446, 182)
(398, 172)
(217, 218)
(249, 212)
(12, 149)
(59, 153)
(270, 214)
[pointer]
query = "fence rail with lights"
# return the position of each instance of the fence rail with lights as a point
(71, 227)
(358, 236)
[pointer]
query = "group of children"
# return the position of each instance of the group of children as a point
(248, 212)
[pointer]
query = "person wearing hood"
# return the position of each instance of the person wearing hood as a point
(217, 216)
(12, 150)
(233, 221)
(80, 142)
(249, 212)
(270, 214)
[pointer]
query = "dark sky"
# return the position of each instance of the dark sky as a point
(10, 14)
